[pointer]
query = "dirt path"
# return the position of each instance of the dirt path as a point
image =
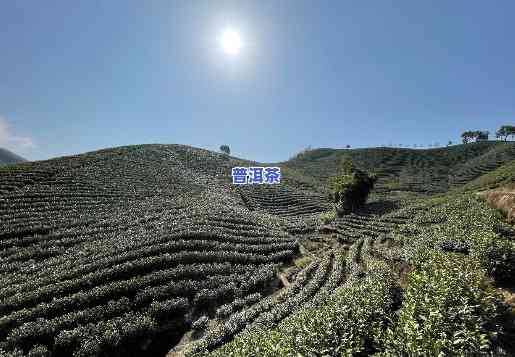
(503, 200)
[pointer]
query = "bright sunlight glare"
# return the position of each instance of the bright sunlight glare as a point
(231, 42)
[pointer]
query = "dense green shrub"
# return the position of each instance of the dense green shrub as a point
(350, 189)
(458, 223)
(348, 324)
(505, 131)
(498, 256)
(446, 309)
(328, 216)
(225, 149)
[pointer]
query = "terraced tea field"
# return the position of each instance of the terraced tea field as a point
(150, 251)
(424, 171)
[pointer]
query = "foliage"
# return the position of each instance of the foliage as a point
(110, 238)
(499, 155)
(327, 217)
(505, 131)
(477, 135)
(461, 223)
(349, 323)
(225, 149)
(482, 135)
(200, 323)
(303, 262)
(102, 252)
(504, 175)
(311, 154)
(422, 171)
(446, 310)
(350, 189)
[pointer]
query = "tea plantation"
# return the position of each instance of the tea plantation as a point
(150, 250)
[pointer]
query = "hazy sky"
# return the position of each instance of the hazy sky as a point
(78, 76)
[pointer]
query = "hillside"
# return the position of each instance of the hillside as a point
(503, 176)
(504, 200)
(497, 187)
(149, 249)
(7, 157)
(423, 171)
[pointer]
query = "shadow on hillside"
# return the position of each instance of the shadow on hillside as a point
(505, 231)
(140, 343)
(380, 207)
(507, 318)
(162, 342)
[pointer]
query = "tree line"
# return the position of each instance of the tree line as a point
(503, 133)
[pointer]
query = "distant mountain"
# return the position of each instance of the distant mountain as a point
(7, 157)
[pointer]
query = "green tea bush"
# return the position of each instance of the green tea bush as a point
(348, 324)
(16, 353)
(327, 217)
(446, 310)
(39, 351)
(498, 256)
(462, 224)
(350, 189)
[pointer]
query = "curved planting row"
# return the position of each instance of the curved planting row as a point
(117, 249)
(298, 295)
(117, 246)
(482, 164)
(238, 321)
(282, 201)
(423, 171)
(336, 278)
(351, 228)
(14, 178)
(311, 287)
(347, 323)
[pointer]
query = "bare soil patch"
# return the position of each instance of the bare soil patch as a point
(503, 200)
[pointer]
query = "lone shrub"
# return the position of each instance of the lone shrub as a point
(225, 149)
(350, 189)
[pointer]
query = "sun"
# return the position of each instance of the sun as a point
(230, 41)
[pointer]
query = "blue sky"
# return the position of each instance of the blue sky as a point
(83, 75)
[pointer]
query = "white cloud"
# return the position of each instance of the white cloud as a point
(12, 142)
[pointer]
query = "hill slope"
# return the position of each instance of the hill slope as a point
(502, 176)
(7, 157)
(143, 232)
(424, 171)
(133, 250)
